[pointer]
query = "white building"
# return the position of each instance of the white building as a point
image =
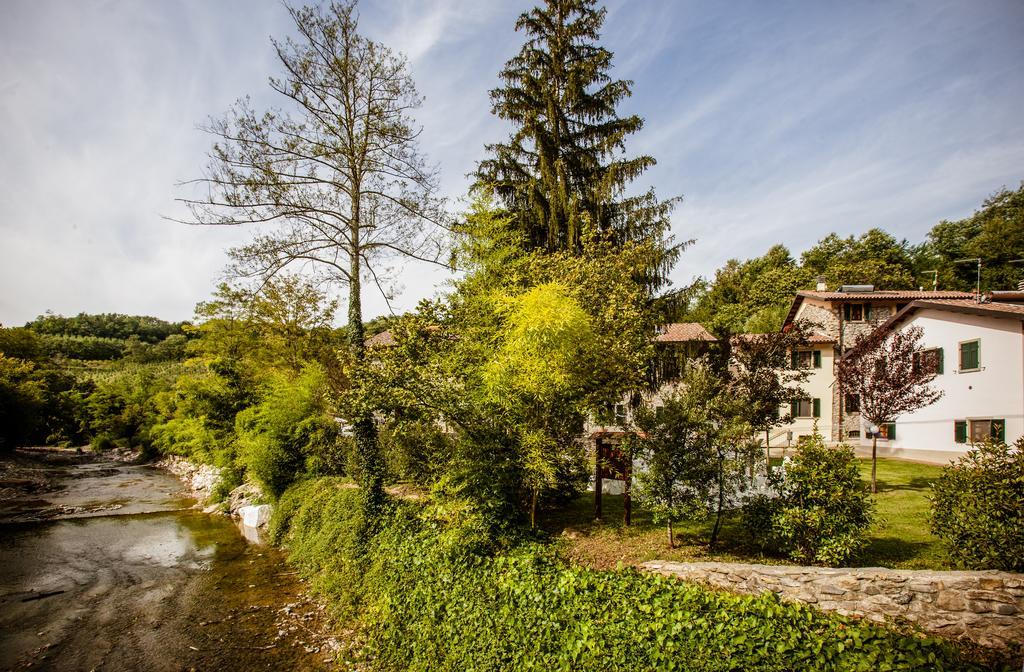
(978, 351)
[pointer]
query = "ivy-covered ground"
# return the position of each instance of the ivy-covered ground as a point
(429, 592)
(900, 537)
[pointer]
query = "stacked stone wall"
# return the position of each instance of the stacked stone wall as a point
(986, 608)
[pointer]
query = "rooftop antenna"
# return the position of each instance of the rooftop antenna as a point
(935, 279)
(977, 282)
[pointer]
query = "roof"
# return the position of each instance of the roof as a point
(684, 332)
(382, 340)
(1013, 297)
(814, 338)
(1012, 310)
(876, 295)
(883, 295)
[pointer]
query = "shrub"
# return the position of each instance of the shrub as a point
(427, 598)
(277, 435)
(978, 507)
(823, 510)
(101, 443)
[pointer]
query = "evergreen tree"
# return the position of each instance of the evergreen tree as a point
(563, 172)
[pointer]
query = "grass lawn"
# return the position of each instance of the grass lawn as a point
(900, 537)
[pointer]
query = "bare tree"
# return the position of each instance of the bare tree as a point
(882, 369)
(333, 180)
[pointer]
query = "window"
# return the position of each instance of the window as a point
(805, 359)
(982, 430)
(805, 408)
(620, 414)
(852, 403)
(930, 361)
(960, 431)
(970, 355)
(856, 312)
(888, 431)
(853, 434)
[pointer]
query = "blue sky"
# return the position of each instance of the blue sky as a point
(776, 122)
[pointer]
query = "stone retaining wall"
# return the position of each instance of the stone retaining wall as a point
(984, 607)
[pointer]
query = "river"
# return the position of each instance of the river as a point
(113, 570)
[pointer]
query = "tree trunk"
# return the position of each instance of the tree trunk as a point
(721, 502)
(363, 426)
(671, 540)
(874, 461)
(533, 509)
(767, 451)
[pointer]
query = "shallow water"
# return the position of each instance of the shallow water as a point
(113, 572)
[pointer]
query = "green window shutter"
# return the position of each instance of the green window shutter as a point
(938, 360)
(793, 360)
(867, 312)
(817, 408)
(960, 431)
(817, 359)
(794, 408)
(890, 431)
(846, 311)
(999, 430)
(970, 355)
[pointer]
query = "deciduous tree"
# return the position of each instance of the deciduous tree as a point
(333, 179)
(880, 368)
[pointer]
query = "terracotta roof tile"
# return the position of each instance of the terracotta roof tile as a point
(992, 307)
(884, 295)
(812, 338)
(382, 340)
(684, 332)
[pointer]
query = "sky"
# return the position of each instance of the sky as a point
(776, 122)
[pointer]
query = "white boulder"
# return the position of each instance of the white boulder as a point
(255, 515)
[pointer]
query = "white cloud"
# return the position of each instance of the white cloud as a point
(778, 123)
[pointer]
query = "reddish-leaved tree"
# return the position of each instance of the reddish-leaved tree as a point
(882, 370)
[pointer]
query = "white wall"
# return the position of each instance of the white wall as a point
(996, 391)
(817, 386)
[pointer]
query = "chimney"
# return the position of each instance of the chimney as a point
(821, 286)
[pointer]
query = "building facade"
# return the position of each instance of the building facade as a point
(977, 351)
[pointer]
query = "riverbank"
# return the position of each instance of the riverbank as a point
(107, 566)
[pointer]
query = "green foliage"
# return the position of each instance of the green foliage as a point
(536, 378)
(546, 334)
(21, 343)
(320, 520)
(561, 174)
(287, 430)
(874, 258)
(995, 233)
(21, 402)
(978, 507)
(83, 347)
(684, 446)
(416, 449)
(281, 326)
(428, 596)
(823, 512)
(106, 326)
(748, 296)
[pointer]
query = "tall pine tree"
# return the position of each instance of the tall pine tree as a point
(563, 173)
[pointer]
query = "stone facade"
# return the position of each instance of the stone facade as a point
(986, 608)
(826, 316)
